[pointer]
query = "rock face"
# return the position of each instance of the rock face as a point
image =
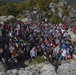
(33, 15)
(67, 68)
(5, 18)
(2, 67)
(39, 69)
(73, 36)
(60, 9)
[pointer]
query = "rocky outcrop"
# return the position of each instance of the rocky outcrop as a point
(39, 69)
(73, 36)
(2, 67)
(66, 68)
(61, 9)
(33, 15)
(68, 19)
(5, 18)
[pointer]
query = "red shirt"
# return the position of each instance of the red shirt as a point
(14, 53)
(51, 44)
(5, 27)
(68, 57)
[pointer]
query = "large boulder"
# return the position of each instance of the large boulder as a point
(26, 20)
(72, 15)
(60, 14)
(60, 10)
(5, 18)
(67, 20)
(67, 68)
(53, 10)
(38, 69)
(62, 3)
(52, 5)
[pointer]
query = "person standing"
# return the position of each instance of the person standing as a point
(33, 54)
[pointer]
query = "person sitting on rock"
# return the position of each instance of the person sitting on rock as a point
(44, 55)
(68, 56)
(12, 60)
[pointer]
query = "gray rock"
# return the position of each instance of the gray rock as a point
(67, 69)
(73, 10)
(53, 10)
(5, 18)
(14, 72)
(2, 67)
(9, 72)
(60, 10)
(33, 15)
(67, 20)
(28, 15)
(35, 12)
(71, 15)
(39, 69)
(3, 73)
(62, 3)
(60, 14)
(51, 5)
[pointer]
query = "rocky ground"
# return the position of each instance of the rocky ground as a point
(66, 68)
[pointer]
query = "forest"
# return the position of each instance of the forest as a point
(18, 8)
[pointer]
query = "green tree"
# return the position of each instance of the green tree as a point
(11, 9)
(65, 10)
(56, 19)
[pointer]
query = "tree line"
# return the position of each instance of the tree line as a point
(14, 8)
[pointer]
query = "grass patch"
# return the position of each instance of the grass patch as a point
(38, 60)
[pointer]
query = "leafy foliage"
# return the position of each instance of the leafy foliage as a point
(11, 21)
(11, 8)
(65, 10)
(56, 19)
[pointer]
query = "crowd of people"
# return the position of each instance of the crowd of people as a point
(37, 38)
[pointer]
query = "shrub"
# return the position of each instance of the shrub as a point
(65, 10)
(56, 19)
(12, 20)
(55, 1)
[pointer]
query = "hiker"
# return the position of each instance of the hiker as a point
(33, 54)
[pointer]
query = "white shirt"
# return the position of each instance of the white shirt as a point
(64, 53)
(18, 26)
(11, 34)
(74, 56)
(62, 30)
